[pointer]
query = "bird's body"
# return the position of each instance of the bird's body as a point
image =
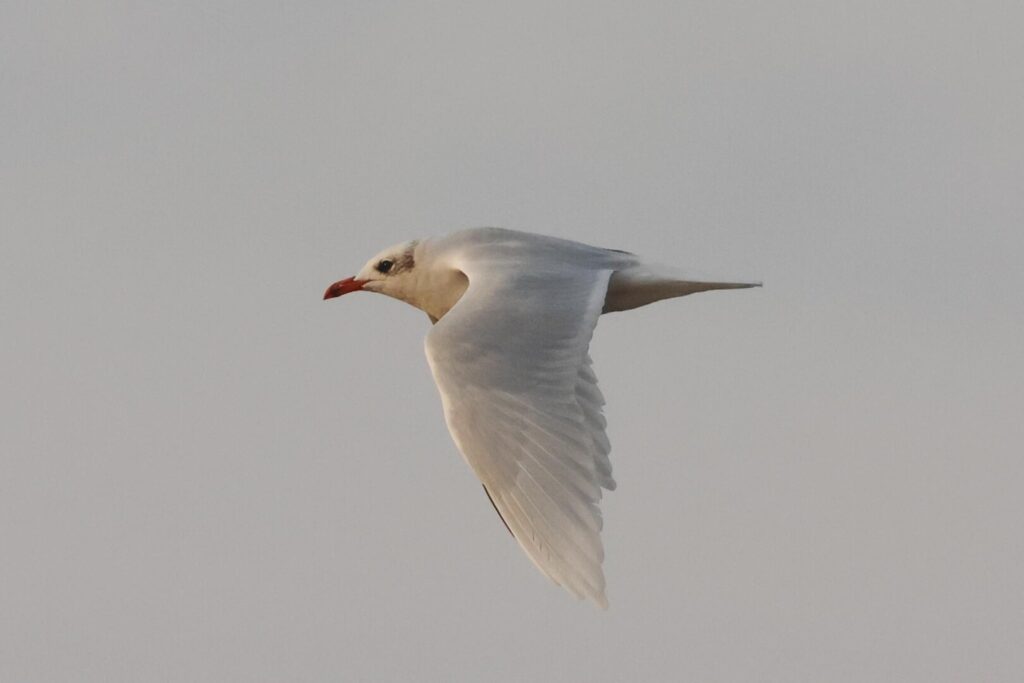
(514, 313)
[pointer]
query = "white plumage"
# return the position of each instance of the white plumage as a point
(514, 315)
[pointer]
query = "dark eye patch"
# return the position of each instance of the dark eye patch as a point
(385, 265)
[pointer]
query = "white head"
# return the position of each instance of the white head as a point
(389, 272)
(411, 272)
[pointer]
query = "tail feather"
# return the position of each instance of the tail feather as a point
(641, 285)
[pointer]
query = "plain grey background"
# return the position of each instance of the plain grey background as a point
(209, 474)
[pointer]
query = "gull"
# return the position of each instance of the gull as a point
(513, 315)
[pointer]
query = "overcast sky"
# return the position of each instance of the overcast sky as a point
(209, 474)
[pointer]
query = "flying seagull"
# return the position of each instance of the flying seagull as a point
(513, 315)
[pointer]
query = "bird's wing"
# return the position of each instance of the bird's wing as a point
(523, 406)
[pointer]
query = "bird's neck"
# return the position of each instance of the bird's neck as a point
(437, 291)
(434, 286)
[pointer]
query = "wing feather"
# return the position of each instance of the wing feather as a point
(521, 401)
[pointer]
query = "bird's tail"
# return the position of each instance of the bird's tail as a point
(644, 284)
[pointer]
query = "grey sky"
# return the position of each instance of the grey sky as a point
(209, 474)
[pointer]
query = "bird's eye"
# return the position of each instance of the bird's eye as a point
(385, 265)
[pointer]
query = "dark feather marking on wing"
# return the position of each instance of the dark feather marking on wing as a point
(497, 510)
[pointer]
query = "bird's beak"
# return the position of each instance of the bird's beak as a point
(349, 284)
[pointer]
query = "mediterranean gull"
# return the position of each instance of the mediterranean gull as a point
(514, 313)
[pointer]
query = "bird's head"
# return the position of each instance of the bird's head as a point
(389, 272)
